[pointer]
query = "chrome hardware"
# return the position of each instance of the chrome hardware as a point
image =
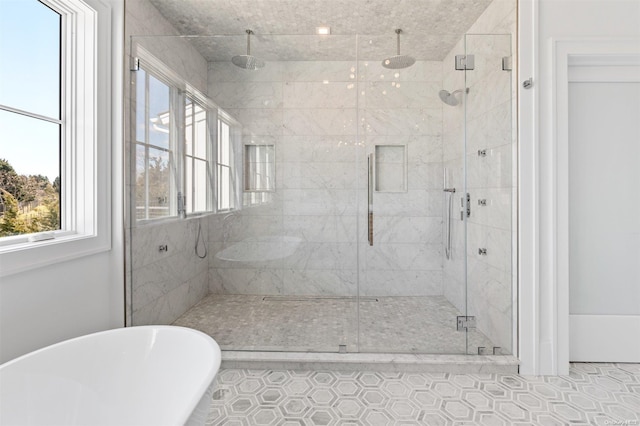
(134, 64)
(370, 161)
(182, 201)
(453, 190)
(465, 62)
(482, 153)
(506, 63)
(163, 248)
(468, 205)
(464, 323)
(482, 202)
(482, 251)
(528, 83)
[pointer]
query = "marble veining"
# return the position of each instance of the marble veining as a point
(592, 394)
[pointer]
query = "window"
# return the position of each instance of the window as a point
(155, 148)
(197, 147)
(30, 118)
(180, 145)
(55, 115)
(224, 166)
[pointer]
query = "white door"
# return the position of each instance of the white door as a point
(604, 214)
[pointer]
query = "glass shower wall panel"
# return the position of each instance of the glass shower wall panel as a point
(402, 306)
(491, 186)
(288, 251)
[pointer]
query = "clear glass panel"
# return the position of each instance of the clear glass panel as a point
(200, 122)
(29, 175)
(224, 185)
(30, 75)
(491, 185)
(189, 187)
(406, 305)
(200, 185)
(141, 182)
(159, 113)
(158, 184)
(188, 127)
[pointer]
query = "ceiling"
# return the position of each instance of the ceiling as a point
(285, 29)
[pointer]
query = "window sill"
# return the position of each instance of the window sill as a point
(20, 255)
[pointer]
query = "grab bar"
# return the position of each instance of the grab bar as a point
(370, 199)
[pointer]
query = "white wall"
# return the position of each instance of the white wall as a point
(53, 303)
(541, 22)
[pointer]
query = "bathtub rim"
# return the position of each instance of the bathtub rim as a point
(203, 386)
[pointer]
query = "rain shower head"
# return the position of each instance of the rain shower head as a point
(248, 61)
(449, 98)
(399, 61)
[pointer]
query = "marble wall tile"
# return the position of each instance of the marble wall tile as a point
(425, 176)
(228, 72)
(411, 203)
(259, 121)
(401, 283)
(488, 93)
(401, 256)
(323, 149)
(495, 170)
(263, 95)
(424, 71)
(324, 282)
(313, 202)
(321, 228)
(329, 121)
(396, 94)
(455, 291)
(317, 175)
(237, 227)
(402, 121)
(496, 241)
(482, 132)
(332, 71)
(498, 211)
(394, 229)
(321, 256)
(249, 281)
(319, 95)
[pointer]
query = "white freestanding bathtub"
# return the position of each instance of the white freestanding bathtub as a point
(151, 375)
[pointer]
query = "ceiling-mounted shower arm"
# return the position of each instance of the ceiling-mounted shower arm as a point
(398, 31)
(249, 32)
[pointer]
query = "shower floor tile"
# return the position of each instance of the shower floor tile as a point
(323, 324)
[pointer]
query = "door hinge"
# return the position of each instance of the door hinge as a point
(135, 64)
(465, 62)
(465, 323)
(506, 63)
(468, 205)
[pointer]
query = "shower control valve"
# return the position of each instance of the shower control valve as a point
(163, 248)
(482, 202)
(482, 251)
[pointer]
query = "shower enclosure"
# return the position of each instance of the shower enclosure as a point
(301, 206)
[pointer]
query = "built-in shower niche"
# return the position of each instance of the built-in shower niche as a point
(390, 168)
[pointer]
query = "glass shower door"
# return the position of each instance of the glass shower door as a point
(403, 306)
(490, 190)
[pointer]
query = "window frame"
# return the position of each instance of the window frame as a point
(85, 160)
(143, 59)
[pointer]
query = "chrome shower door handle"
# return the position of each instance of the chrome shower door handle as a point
(370, 199)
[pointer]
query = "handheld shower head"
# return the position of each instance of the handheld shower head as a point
(449, 98)
(248, 62)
